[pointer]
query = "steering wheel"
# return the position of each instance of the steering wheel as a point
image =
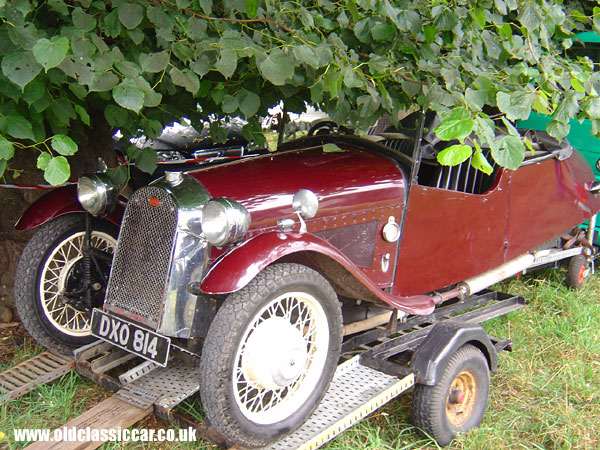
(325, 127)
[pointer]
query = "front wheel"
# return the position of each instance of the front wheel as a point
(49, 293)
(459, 399)
(270, 354)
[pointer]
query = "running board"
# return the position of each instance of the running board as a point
(29, 375)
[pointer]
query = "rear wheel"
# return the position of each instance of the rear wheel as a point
(459, 399)
(577, 271)
(49, 293)
(270, 354)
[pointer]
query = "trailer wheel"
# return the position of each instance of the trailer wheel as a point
(270, 354)
(458, 401)
(577, 271)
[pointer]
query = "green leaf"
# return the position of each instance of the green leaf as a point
(510, 153)
(516, 105)
(592, 107)
(306, 55)
(577, 85)
(57, 171)
(278, 67)
(118, 175)
(455, 154)
(475, 98)
(249, 104)
(568, 107)
(530, 16)
(130, 14)
(3, 166)
(227, 62)
(17, 126)
(104, 82)
(540, 104)
(408, 20)
(251, 8)
(455, 125)
(51, 53)
(362, 30)
(382, 31)
(480, 162)
(115, 116)
(152, 128)
(186, 79)
(129, 95)
(230, 104)
(559, 130)
(154, 62)
(64, 145)
(7, 150)
(332, 148)
(83, 21)
(33, 92)
(351, 79)
(83, 114)
(146, 160)
(20, 68)
(63, 110)
(43, 160)
(430, 32)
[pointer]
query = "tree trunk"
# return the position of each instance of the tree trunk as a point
(95, 142)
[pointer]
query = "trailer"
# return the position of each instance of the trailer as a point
(439, 355)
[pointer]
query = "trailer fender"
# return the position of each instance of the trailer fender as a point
(58, 202)
(443, 340)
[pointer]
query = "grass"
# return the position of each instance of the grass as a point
(546, 394)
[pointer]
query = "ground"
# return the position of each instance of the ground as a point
(546, 394)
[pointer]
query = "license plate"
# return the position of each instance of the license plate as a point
(131, 337)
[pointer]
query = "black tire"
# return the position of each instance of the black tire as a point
(577, 271)
(435, 410)
(234, 351)
(34, 306)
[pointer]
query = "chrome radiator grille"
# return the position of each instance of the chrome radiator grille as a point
(138, 279)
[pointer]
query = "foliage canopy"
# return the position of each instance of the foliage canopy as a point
(140, 65)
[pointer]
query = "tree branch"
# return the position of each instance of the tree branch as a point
(227, 19)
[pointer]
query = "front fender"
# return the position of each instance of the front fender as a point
(59, 202)
(238, 267)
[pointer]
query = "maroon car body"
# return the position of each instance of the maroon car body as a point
(448, 236)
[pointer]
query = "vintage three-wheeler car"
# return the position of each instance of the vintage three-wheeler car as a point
(256, 266)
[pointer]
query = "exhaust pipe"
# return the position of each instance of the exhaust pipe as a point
(506, 270)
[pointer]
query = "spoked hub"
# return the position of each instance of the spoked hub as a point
(61, 278)
(461, 398)
(281, 358)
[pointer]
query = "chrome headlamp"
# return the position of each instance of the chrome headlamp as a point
(224, 221)
(97, 193)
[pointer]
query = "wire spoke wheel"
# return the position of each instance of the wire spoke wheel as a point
(50, 295)
(270, 354)
(281, 358)
(59, 266)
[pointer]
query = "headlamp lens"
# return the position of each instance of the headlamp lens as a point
(96, 193)
(224, 221)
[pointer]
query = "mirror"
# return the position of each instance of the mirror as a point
(305, 204)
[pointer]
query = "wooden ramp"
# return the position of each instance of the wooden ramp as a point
(111, 413)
